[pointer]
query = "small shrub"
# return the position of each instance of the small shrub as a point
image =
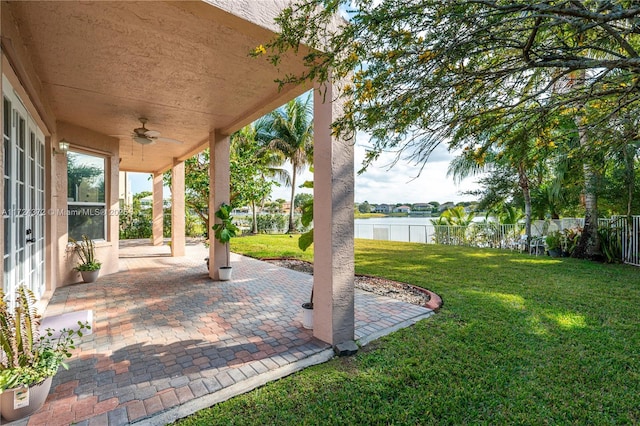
(610, 237)
(554, 240)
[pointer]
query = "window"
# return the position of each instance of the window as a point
(86, 196)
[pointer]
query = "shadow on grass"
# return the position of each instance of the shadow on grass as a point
(506, 359)
(521, 339)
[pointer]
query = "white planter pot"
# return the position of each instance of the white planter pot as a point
(307, 315)
(90, 276)
(37, 396)
(224, 273)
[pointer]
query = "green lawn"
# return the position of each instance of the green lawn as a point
(520, 340)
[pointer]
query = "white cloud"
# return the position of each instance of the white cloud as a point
(400, 183)
(405, 182)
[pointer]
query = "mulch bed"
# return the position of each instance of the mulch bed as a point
(397, 290)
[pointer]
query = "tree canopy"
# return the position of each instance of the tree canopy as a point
(418, 73)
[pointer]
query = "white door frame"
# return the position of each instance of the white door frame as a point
(24, 210)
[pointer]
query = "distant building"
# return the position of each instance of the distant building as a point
(422, 207)
(402, 209)
(383, 208)
(446, 206)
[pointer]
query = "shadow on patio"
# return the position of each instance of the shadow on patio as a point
(167, 341)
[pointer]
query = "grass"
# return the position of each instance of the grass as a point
(520, 340)
(358, 215)
(264, 246)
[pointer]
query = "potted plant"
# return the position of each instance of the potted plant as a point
(89, 266)
(304, 242)
(307, 313)
(223, 232)
(29, 360)
(554, 243)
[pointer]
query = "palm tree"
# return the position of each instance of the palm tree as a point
(291, 131)
(458, 216)
(249, 145)
(588, 245)
(517, 154)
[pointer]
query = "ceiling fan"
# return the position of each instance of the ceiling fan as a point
(144, 136)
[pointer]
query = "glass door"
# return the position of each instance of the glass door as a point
(23, 213)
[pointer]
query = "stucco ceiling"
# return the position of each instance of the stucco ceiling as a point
(183, 65)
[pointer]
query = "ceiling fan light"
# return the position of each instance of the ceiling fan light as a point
(142, 140)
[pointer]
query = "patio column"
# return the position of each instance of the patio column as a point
(219, 179)
(157, 210)
(178, 216)
(333, 312)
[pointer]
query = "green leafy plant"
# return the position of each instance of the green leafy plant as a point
(28, 357)
(268, 223)
(554, 240)
(306, 239)
(86, 252)
(571, 236)
(225, 229)
(610, 237)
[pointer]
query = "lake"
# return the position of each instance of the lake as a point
(406, 229)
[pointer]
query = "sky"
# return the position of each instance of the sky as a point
(381, 184)
(402, 183)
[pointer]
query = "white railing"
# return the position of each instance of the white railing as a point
(629, 235)
(631, 244)
(485, 234)
(476, 235)
(402, 233)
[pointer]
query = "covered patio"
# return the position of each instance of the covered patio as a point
(105, 87)
(168, 341)
(80, 81)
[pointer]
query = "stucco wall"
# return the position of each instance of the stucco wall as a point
(261, 12)
(90, 142)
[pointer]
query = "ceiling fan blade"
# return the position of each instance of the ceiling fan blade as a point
(169, 140)
(152, 134)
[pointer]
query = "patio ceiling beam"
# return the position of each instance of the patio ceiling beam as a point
(258, 111)
(276, 100)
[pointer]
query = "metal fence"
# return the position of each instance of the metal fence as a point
(626, 233)
(489, 234)
(631, 244)
(495, 235)
(484, 234)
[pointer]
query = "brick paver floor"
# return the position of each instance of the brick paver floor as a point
(168, 341)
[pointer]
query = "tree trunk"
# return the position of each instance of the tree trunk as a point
(630, 177)
(254, 216)
(526, 193)
(629, 154)
(203, 217)
(588, 246)
(292, 225)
